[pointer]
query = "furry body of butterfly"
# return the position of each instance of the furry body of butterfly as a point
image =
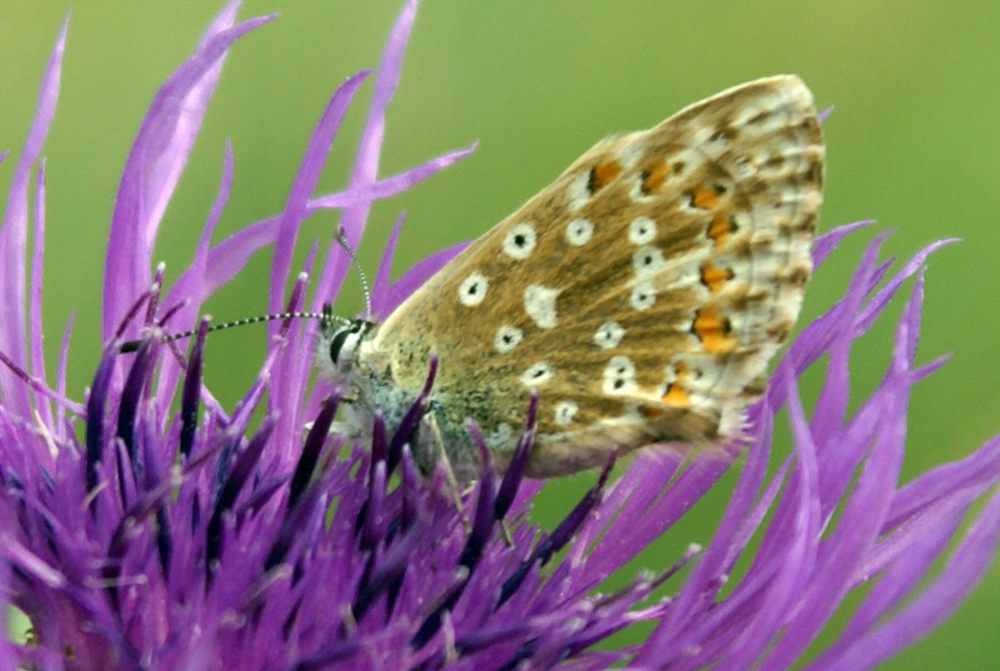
(642, 293)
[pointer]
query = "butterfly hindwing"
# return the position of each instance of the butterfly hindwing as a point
(642, 292)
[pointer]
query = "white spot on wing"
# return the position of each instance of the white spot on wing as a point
(635, 192)
(670, 373)
(472, 290)
(647, 261)
(608, 335)
(643, 295)
(507, 338)
(742, 167)
(578, 192)
(630, 152)
(519, 241)
(565, 411)
(536, 374)
(742, 221)
(619, 376)
(715, 146)
(579, 231)
(642, 230)
(540, 304)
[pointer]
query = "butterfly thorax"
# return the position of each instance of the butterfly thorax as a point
(385, 376)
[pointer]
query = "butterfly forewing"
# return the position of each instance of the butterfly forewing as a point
(641, 293)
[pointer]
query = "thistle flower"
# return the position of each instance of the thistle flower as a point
(156, 538)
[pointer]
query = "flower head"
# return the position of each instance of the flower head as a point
(192, 538)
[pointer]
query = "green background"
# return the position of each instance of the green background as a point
(912, 142)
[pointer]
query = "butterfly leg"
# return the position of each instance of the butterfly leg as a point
(505, 533)
(430, 423)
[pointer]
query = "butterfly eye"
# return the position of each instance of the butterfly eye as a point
(337, 342)
(350, 336)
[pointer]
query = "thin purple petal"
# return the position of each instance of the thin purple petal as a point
(366, 163)
(14, 229)
(157, 158)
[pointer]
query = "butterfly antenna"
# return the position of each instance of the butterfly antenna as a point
(326, 317)
(342, 239)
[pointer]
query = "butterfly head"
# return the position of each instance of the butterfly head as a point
(339, 343)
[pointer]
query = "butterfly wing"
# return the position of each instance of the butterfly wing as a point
(642, 292)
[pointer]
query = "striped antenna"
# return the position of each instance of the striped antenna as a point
(325, 316)
(342, 239)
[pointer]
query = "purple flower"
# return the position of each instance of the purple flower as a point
(137, 535)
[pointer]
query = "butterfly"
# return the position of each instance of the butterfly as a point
(641, 294)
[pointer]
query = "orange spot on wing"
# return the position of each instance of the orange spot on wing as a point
(653, 176)
(676, 395)
(714, 277)
(713, 330)
(651, 411)
(602, 173)
(720, 228)
(704, 198)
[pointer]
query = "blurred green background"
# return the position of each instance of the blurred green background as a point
(912, 142)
